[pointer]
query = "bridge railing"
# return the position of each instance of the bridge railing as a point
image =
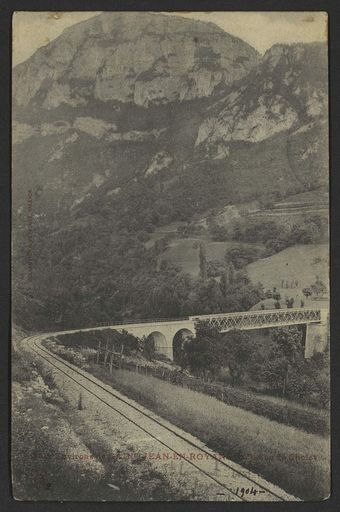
(258, 312)
(259, 318)
(144, 321)
(230, 320)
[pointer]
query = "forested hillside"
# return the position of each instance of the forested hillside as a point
(147, 120)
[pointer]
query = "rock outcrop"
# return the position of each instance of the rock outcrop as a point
(282, 93)
(128, 98)
(132, 57)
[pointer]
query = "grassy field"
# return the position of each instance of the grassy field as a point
(182, 252)
(296, 461)
(41, 435)
(300, 263)
(59, 453)
(79, 350)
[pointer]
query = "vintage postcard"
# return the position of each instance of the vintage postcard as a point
(170, 336)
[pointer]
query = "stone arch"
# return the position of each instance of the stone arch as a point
(178, 340)
(159, 342)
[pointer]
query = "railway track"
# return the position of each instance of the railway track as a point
(225, 479)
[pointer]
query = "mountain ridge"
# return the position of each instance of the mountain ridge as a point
(199, 130)
(155, 51)
(202, 133)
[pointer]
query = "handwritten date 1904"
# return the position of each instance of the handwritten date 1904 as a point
(248, 491)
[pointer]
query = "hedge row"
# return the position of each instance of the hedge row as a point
(85, 339)
(316, 422)
(313, 421)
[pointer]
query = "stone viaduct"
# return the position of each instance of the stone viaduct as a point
(166, 333)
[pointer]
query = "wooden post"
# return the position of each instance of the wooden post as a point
(121, 355)
(106, 351)
(80, 402)
(111, 361)
(98, 351)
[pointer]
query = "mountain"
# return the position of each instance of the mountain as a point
(147, 59)
(282, 101)
(125, 95)
(131, 121)
(111, 94)
(282, 92)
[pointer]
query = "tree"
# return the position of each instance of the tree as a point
(148, 347)
(318, 288)
(238, 349)
(180, 353)
(290, 302)
(219, 233)
(240, 256)
(203, 262)
(231, 273)
(203, 352)
(287, 350)
(307, 292)
(214, 268)
(274, 245)
(224, 284)
(128, 341)
(277, 305)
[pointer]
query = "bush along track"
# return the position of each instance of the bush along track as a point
(79, 349)
(55, 455)
(290, 458)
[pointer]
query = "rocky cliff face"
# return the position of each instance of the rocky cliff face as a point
(147, 98)
(283, 92)
(273, 123)
(128, 123)
(132, 57)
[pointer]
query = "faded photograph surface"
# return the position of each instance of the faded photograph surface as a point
(170, 336)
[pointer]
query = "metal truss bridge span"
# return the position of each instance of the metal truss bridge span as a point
(262, 319)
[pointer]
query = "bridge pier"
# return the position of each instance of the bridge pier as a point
(164, 332)
(316, 338)
(169, 331)
(167, 350)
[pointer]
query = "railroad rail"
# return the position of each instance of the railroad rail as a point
(168, 435)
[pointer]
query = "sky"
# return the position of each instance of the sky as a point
(32, 30)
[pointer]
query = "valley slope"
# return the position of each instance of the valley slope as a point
(128, 122)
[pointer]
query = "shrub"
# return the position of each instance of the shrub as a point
(91, 339)
(69, 354)
(282, 411)
(50, 380)
(240, 256)
(268, 448)
(285, 412)
(148, 348)
(21, 369)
